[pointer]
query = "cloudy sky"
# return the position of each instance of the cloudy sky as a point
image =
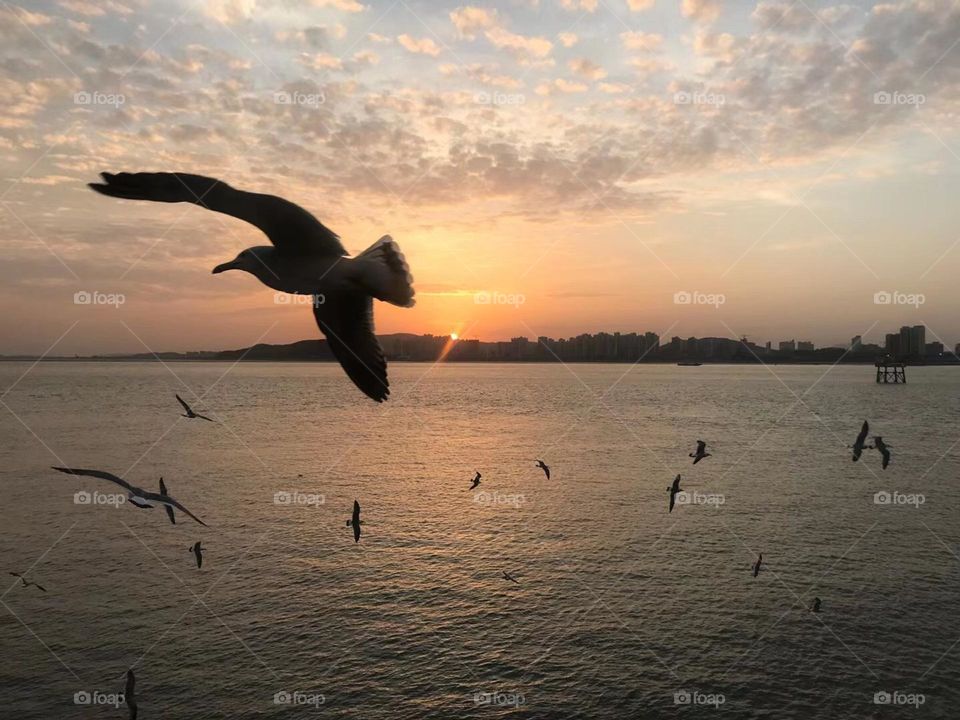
(575, 163)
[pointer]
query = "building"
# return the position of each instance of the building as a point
(788, 345)
(933, 349)
(892, 345)
(855, 342)
(918, 340)
(805, 346)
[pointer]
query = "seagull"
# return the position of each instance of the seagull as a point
(858, 445)
(815, 605)
(26, 583)
(197, 552)
(163, 491)
(306, 258)
(508, 576)
(189, 411)
(673, 490)
(543, 466)
(355, 521)
(128, 695)
(476, 480)
(756, 565)
(884, 449)
(135, 495)
(701, 452)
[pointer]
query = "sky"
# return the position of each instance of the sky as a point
(722, 168)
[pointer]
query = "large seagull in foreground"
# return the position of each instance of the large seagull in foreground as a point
(306, 258)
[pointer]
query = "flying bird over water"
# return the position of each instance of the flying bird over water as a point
(306, 258)
(163, 491)
(128, 695)
(673, 490)
(884, 449)
(137, 496)
(508, 576)
(189, 411)
(543, 466)
(858, 445)
(197, 552)
(476, 480)
(815, 605)
(27, 583)
(756, 565)
(701, 452)
(355, 521)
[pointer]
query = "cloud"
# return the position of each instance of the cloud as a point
(351, 6)
(567, 39)
(469, 20)
(423, 46)
(644, 42)
(522, 46)
(701, 11)
(640, 5)
(587, 68)
(588, 5)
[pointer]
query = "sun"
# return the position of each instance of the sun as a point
(454, 336)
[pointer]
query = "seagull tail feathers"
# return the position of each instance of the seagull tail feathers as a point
(384, 272)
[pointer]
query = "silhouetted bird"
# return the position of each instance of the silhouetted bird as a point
(509, 577)
(673, 490)
(27, 583)
(884, 449)
(163, 491)
(128, 695)
(197, 553)
(137, 496)
(355, 521)
(189, 411)
(543, 466)
(306, 258)
(701, 452)
(756, 565)
(815, 605)
(858, 445)
(476, 480)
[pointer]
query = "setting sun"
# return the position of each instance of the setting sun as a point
(454, 336)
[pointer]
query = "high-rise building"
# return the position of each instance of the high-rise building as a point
(892, 345)
(788, 345)
(855, 342)
(933, 349)
(804, 346)
(918, 340)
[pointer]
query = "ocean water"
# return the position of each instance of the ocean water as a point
(622, 610)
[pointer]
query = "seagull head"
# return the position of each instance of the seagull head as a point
(254, 260)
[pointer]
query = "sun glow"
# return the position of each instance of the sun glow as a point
(454, 336)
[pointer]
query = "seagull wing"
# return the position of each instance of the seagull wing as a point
(204, 417)
(163, 491)
(547, 471)
(103, 476)
(167, 500)
(186, 408)
(347, 323)
(290, 228)
(863, 433)
(701, 447)
(40, 586)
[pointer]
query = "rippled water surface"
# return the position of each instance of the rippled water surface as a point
(620, 605)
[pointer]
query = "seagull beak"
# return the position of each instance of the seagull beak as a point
(232, 265)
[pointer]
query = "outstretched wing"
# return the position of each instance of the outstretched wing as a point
(290, 228)
(167, 500)
(864, 430)
(99, 474)
(186, 408)
(347, 323)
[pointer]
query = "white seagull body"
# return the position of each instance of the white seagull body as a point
(306, 258)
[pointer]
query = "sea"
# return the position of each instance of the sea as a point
(619, 609)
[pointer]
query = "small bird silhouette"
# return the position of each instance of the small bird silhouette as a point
(701, 452)
(884, 449)
(673, 490)
(128, 695)
(508, 576)
(476, 480)
(27, 583)
(189, 411)
(355, 521)
(543, 466)
(163, 491)
(815, 605)
(756, 565)
(197, 552)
